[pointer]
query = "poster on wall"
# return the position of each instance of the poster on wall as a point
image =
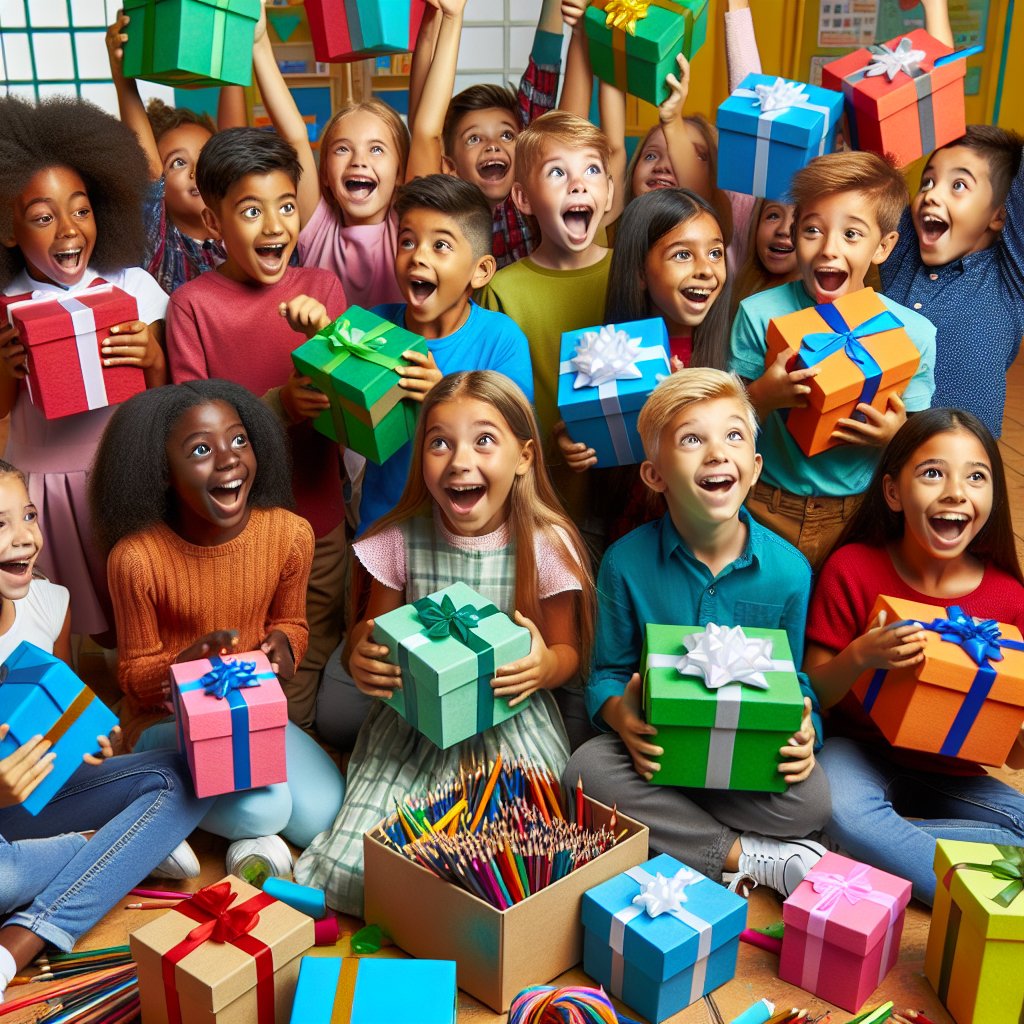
(847, 24)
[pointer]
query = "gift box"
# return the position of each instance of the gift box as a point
(862, 352)
(40, 695)
(62, 335)
(448, 645)
(843, 927)
(353, 362)
(633, 43)
(976, 939)
(228, 955)
(231, 716)
(355, 29)
(660, 936)
(898, 102)
(966, 699)
(724, 701)
(769, 128)
(191, 43)
(363, 991)
(605, 375)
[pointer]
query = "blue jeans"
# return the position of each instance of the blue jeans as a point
(140, 807)
(871, 794)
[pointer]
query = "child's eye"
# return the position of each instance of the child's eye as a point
(406, 243)
(377, 150)
(341, 149)
(287, 209)
(556, 172)
(485, 439)
(251, 212)
(201, 450)
(931, 473)
(851, 234)
(240, 441)
(83, 214)
(649, 156)
(30, 517)
(772, 216)
(437, 444)
(507, 135)
(715, 254)
(811, 230)
(441, 245)
(682, 255)
(42, 219)
(177, 163)
(978, 477)
(689, 441)
(927, 183)
(595, 169)
(472, 140)
(734, 435)
(702, 153)
(960, 185)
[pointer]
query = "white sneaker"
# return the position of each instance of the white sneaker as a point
(256, 860)
(180, 863)
(780, 864)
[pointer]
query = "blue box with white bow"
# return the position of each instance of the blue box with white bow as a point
(660, 936)
(605, 374)
(771, 127)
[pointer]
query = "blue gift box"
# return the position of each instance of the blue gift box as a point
(771, 127)
(375, 991)
(40, 695)
(661, 936)
(605, 376)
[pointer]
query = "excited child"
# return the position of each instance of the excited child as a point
(771, 254)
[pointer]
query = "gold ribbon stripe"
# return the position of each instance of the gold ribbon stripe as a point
(70, 716)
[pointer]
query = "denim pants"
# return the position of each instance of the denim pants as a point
(871, 796)
(140, 807)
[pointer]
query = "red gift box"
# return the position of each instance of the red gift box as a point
(898, 103)
(340, 35)
(62, 335)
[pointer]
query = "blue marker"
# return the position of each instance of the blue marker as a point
(759, 1013)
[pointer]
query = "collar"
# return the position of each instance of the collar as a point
(670, 541)
(964, 263)
(24, 282)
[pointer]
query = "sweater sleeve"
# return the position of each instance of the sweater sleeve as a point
(383, 557)
(741, 52)
(287, 611)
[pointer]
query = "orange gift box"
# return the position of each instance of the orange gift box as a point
(862, 352)
(966, 699)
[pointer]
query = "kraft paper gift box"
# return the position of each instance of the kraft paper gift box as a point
(605, 375)
(353, 362)
(348, 30)
(191, 43)
(62, 335)
(633, 43)
(660, 936)
(231, 716)
(897, 101)
(976, 939)
(862, 352)
(724, 701)
(40, 695)
(448, 645)
(771, 127)
(364, 991)
(228, 955)
(966, 699)
(843, 927)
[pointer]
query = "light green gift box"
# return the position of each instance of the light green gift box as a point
(724, 701)
(448, 645)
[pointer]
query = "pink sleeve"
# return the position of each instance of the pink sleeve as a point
(742, 210)
(383, 557)
(741, 46)
(553, 575)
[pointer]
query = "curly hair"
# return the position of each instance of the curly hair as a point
(129, 486)
(164, 119)
(68, 132)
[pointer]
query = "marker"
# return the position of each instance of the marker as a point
(760, 1013)
(969, 51)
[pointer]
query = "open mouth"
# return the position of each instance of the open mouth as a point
(781, 249)
(577, 221)
(421, 290)
(465, 498)
(270, 256)
(18, 568)
(360, 188)
(227, 495)
(493, 170)
(194, 192)
(932, 228)
(659, 182)
(829, 279)
(69, 259)
(717, 484)
(699, 296)
(949, 526)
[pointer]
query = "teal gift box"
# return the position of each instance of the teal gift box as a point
(724, 700)
(40, 695)
(353, 362)
(448, 645)
(186, 43)
(633, 43)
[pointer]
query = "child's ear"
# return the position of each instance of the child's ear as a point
(611, 193)
(521, 200)
(486, 268)
(448, 167)
(885, 246)
(758, 466)
(210, 220)
(891, 493)
(525, 458)
(652, 478)
(998, 220)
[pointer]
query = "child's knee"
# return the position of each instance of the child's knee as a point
(812, 808)
(255, 812)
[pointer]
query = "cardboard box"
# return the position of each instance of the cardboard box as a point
(229, 955)
(976, 939)
(356, 29)
(661, 936)
(843, 927)
(950, 703)
(499, 952)
(721, 727)
(40, 695)
(863, 354)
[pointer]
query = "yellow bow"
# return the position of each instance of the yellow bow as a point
(624, 14)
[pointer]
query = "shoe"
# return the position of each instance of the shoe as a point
(256, 860)
(780, 864)
(179, 864)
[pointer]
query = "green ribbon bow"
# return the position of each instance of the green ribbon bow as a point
(1009, 867)
(366, 344)
(445, 619)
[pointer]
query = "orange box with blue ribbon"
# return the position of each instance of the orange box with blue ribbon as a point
(863, 354)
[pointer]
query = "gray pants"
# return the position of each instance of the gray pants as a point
(696, 826)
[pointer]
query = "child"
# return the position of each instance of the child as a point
(205, 558)
(771, 254)
(705, 561)
(847, 206)
(71, 189)
(479, 508)
(934, 527)
(240, 324)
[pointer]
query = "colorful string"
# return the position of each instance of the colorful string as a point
(544, 1004)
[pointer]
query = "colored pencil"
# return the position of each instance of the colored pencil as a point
(161, 894)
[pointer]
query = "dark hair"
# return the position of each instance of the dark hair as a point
(9, 469)
(477, 97)
(455, 198)
(876, 524)
(1000, 147)
(64, 131)
(235, 152)
(130, 480)
(164, 119)
(646, 219)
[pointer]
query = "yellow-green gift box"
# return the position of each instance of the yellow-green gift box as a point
(353, 362)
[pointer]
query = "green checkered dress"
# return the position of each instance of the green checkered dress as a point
(391, 759)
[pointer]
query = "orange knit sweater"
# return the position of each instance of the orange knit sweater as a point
(168, 593)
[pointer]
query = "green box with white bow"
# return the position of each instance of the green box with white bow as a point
(724, 700)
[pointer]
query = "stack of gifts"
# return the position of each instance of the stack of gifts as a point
(355, 29)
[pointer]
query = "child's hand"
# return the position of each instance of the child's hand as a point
(449, 8)
(23, 770)
(279, 653)
(110, 746)
(305, 315)
(131, 344)
(573, 11)
(889, 647)
(419, 378)
(623, 715)
(879, 427)
(116, 38)
(671, 108)
(520, 678)
(675, 364)
(13, 352)
(578, 457)
(301, 401)
(372, 674)
(220, 641)
(780, 388)
(798, 755)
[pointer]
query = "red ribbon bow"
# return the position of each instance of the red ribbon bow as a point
(225, 924)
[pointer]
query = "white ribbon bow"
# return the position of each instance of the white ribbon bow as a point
(604, 356)
(780, 95)
(891, 62)
(661, 895)
(727, 655)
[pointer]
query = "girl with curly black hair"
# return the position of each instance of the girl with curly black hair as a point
(71, 186)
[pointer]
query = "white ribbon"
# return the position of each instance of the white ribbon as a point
(891, 62)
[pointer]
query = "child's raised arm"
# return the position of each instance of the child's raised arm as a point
(936, 20)
(231, 108)
(578, 84)
(129, 102)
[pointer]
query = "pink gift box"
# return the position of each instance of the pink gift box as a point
(231, 715)
(843, 927)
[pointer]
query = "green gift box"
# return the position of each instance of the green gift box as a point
(353, 362)
(633, 43)
(724, 701)
(188, 43)
(448, 645)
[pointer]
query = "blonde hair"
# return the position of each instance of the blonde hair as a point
(684, 388)
(558, 126)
